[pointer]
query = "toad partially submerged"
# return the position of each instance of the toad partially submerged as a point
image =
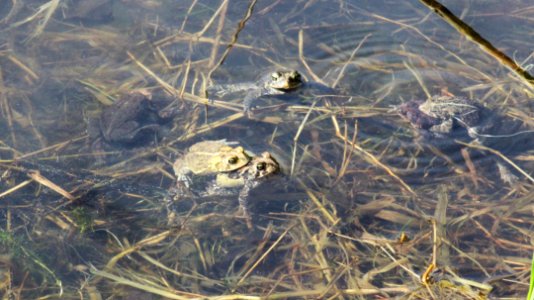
(275, 84)
(208, 158)
(441, 115)
(230, 168)
(131, 120)
(445, 119)
(249, 177)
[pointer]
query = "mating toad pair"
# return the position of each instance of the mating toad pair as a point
(230, 167)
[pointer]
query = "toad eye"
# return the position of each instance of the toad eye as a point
(275, 76)
(261, 166)
(232, 160)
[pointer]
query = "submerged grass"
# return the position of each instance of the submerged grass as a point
(530, 294)
(43, 15)
(366, 209)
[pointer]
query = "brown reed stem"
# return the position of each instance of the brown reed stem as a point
(484, 44)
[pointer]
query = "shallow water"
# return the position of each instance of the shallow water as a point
(355, 175)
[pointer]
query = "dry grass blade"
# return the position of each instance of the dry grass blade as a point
(45, 12)
(296, 138)
(418, 78)
(193, 4)
(371, 158)
(369, 276)
(264, 255)
(188, 37)
(440, 250)
(186, 96)
(148, 241)
(351, 57)
(162, 291)
(211, 126)
(319, 243)
(36, 176)
(499, 154)
(5, 108)
(347, 152)
(179, 274)
(23, 67)
(303, 60)
(218, 33)
(51, 148)
(341, 292)
(212, 19)
(15, 188)
(100, 94)
(319, 205)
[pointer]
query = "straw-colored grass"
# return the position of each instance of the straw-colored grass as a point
(365, 207)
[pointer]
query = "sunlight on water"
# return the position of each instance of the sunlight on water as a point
(395, 163)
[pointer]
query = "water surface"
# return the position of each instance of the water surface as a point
(356, 176)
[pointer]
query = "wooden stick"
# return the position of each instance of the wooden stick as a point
(471, 34)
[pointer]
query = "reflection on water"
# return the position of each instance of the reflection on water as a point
(86, 202)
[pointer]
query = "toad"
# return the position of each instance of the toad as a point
(208, 158)
(232, 167)
(131, 120)
(441, 115)
(256, 172)
(277, 83)
(456, 117)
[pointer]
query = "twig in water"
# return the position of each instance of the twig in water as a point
(484, 44)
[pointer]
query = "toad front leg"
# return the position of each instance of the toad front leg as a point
(243, 200)
(183, 181)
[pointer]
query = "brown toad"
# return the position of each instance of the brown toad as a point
(256, 172)
(247, 178)
(440, 115)
(131, 120)
(450, 109)
(454, 118)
